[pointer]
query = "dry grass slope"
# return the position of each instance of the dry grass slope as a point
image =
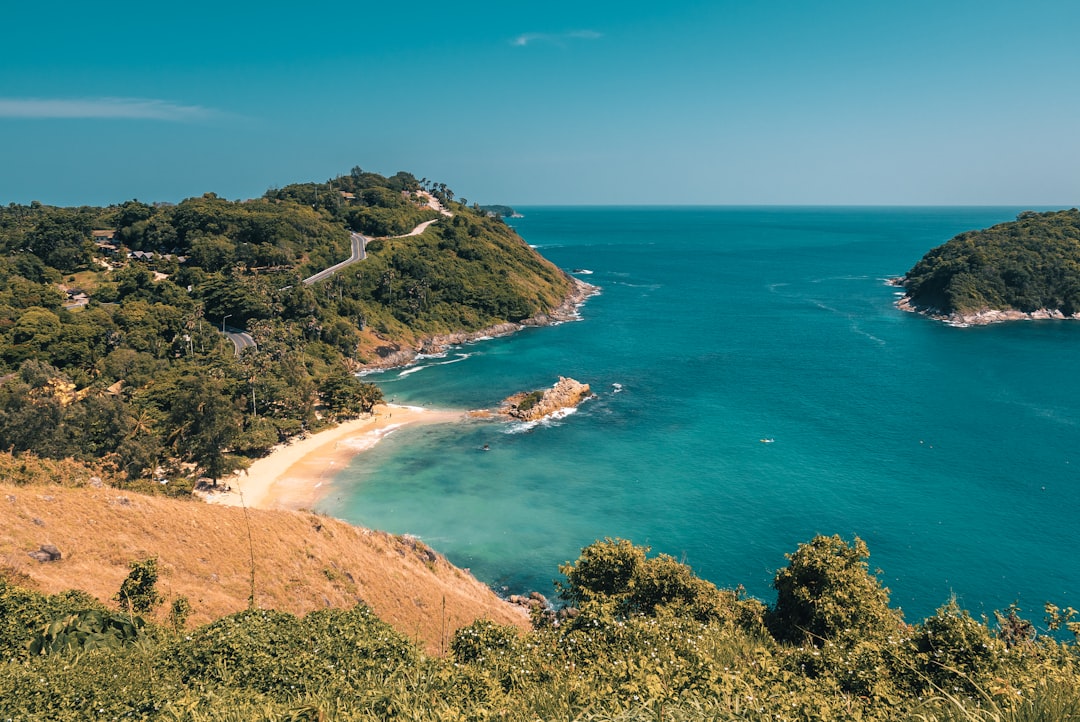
(303, 561)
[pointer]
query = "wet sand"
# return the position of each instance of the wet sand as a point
(296, 475)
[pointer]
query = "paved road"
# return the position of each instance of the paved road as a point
(240, 338)
(358, 254)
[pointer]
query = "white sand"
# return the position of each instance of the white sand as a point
(296, 475)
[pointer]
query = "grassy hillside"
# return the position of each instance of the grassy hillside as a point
(302, 561)
(646, 640)
(1026, 265)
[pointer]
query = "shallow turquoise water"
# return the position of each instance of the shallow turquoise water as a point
(950, 451)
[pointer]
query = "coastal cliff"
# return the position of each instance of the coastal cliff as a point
(391, 354)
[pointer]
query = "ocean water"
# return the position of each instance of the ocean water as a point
(951, 451)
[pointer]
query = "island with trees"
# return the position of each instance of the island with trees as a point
(1024, 269)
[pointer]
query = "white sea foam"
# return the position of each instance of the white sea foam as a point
(413, 369)
(366, 441)
(649, 286)
(880, 341)
(616, 388)
(460, 357)
(551, 419)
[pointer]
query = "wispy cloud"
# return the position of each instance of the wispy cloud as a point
(555, 38)
(131, 108)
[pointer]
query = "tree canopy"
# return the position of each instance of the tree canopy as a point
(1029, 264)
(112, 319)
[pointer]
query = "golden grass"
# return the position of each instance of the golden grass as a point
(303, 561)
(86, 281)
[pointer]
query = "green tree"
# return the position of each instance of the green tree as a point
(62, 239)
(138, 592)
(204, 421)
(826, 593)
(346, 396)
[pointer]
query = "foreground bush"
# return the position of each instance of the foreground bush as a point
(650, 641)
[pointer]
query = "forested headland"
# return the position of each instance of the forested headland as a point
(112, 320)
(1027, 268)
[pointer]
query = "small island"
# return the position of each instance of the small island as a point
(536, 405)
(1023, 269)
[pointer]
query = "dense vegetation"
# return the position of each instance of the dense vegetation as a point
(112, 319)
(1029, 264)
(646, 640)
(501, 211)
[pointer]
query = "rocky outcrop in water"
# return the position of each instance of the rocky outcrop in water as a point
(535, 405)
(982, 317)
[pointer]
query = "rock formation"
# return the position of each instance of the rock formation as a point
(47, 553)
(534, 405)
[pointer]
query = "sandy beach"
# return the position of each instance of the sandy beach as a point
(296, 475)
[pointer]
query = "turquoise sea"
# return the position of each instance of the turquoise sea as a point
(951, 451)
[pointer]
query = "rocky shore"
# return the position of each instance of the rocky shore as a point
(982, 317)
(391, 357)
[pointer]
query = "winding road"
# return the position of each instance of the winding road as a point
(242, 339)
(359, 253)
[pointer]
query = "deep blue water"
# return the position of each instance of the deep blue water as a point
(951, 451)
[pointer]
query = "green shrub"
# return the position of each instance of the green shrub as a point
(25, 613)
(530, 400)
(481, 640)
(138, 592)
(957, 653)
(86, 630)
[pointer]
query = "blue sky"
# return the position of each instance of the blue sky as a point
(731, 103)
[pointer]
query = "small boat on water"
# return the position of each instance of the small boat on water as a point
(767, 441)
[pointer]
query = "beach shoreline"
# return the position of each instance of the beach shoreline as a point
(296, 475)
